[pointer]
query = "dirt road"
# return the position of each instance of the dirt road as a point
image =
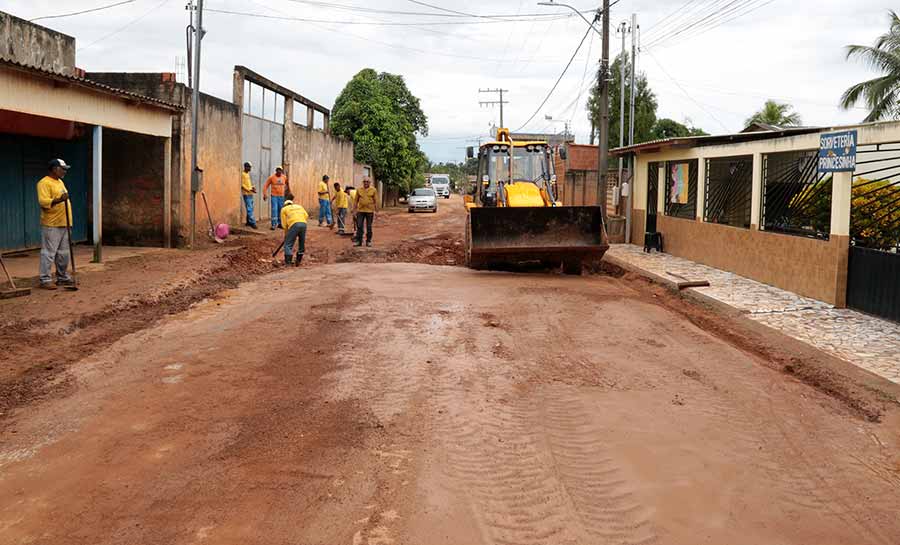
(357, 402)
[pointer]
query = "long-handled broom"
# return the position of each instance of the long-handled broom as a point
(14, 292)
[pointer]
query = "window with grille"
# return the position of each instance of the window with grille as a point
(729, 191)
(681, 189)
(796, 199)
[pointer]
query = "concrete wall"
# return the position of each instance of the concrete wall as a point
(133, 183)
(34, 45)
(220, 159)
(308, 155)
(810, 267)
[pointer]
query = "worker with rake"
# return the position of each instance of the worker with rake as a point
(293, 221)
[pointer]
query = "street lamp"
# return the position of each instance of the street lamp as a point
(590, 24)
(603, 80)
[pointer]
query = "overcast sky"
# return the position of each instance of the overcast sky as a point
(715, 77)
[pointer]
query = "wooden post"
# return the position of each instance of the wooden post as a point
(98, 193)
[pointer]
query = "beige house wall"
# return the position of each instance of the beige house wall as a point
(810, 267)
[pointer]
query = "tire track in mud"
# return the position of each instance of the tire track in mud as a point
(533, 470)
(762, 446)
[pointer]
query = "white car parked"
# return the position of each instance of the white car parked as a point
(422, 198)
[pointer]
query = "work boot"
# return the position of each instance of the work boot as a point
(357, 244)
(288, 260)
(272, 228)
(298, 260)
(48, 286)
(65, 282)
(368, 244)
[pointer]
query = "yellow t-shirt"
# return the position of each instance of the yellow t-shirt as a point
(246, 184)
(292, 213)
(365, 199)
(340, 199)
(323, 190)
(53, 215)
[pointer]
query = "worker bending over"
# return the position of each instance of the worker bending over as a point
(293, 221)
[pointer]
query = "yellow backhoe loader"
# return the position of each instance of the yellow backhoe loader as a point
(514, 217)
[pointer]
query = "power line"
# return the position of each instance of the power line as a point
(464, 14)
(450, 14)
(716, 8)
(724, 22)
(552, 89)
(358, 23)
(125, 26)
(725, 14)
(286, 17)
(686, 94)
(72, 14)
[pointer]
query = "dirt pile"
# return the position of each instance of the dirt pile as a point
(441, 249)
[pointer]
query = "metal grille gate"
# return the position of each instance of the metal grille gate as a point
(873, 280)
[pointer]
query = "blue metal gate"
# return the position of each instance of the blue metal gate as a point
(873, 278)
(23, 162)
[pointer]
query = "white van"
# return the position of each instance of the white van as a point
(441, 185)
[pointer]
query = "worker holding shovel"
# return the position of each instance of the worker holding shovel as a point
(56, 214)
(293, 221)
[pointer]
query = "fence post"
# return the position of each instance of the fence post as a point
(701, 189)
(841, 199)
(662, 190)
(756, 192)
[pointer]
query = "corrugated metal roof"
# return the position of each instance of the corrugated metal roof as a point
(59, 76)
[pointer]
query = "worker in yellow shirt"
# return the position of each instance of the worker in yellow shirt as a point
(293, 221)
(341, 203)
(325, 203)
(56, 216)
(365, 204)
(247, 192)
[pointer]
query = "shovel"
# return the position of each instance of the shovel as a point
(14, 292)
(212, 229)
(74, 286)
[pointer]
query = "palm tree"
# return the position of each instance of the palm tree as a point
(775, 113)
(880, 94)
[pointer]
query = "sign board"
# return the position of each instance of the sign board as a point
(837, 152)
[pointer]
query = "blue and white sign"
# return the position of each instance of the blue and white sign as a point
(837, 152)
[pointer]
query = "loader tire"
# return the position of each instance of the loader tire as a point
(572, 266)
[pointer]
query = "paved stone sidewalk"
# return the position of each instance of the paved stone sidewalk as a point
(865, 341)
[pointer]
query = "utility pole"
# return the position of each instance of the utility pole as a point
(195, 108)
(189, 35)
(623, 29)
(634, 33)
(603, 148)
(634, 29)
(501, 102)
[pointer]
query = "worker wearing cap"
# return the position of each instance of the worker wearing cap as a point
(341, 203)
(365, 204)
(278, 183)
(56, 216)
(325, 202)
(293, 221)
(247, 192)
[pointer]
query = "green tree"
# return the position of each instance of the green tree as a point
(881, 95)
(669, 128)
(644, 109)
(775, 113)
(382, 118)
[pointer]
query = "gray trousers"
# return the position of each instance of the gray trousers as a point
(54, 250)
(297, 233)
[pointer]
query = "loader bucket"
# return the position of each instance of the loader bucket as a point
(500, 238)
